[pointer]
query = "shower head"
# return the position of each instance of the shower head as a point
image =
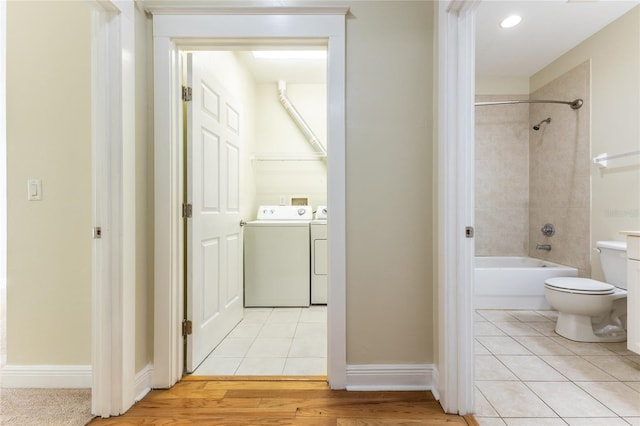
(546, 120)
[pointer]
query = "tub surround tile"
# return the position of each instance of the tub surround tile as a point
(568, 400)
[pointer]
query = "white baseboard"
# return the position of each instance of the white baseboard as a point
(143, 382)
(435, 383)
(393, 377)
(46, 376)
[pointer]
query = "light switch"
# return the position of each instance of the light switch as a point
(34, 189)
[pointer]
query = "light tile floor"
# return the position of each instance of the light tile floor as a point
(526, 374)
(274, 342)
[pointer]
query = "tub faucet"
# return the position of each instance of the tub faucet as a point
(546, 247)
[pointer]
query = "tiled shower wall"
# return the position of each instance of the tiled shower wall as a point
(559, 172)
(526, 178)
(502, 178)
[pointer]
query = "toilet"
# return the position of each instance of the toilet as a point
(590, 310)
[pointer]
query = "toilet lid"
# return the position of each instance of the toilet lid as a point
(579, 285)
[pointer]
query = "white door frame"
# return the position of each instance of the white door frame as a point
(113, 139)
(175, 28)
(456, 93)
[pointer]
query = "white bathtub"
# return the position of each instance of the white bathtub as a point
(514, 282)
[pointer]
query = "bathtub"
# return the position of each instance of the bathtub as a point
(514, 282)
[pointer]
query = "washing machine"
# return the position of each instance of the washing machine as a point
(319, 256)
(277, 257)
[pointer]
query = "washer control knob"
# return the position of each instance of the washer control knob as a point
(301, 212)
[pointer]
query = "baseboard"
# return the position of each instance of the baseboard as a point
(435, 383)
(46, 376)
(143, 382)
(394, 377)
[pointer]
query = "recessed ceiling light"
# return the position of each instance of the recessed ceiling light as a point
(511, 21)
(289, 54)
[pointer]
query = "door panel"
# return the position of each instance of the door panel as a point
(214, 248)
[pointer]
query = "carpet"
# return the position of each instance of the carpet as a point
(45, 407)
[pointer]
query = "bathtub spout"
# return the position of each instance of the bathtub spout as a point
(546, 247)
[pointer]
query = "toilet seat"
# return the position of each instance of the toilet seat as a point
(579, 286)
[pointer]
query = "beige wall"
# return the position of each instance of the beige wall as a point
(389, 182)
(559, 171)
(389, 185)
(49, 138)
(502, 178)
(144, 189)
(615, 87)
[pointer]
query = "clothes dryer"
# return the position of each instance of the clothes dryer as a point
(319, 257)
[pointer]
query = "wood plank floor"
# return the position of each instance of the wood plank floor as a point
(248, 401)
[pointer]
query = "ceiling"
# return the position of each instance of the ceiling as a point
(549, 28)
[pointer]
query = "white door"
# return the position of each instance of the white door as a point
(214, 248)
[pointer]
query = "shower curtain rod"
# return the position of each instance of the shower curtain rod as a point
(575, 104)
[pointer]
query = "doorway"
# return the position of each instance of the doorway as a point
(178, 32)
(253, 122)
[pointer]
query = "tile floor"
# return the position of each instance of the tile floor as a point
(526, 374)
(273, 341)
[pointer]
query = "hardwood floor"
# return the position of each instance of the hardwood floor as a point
(247, 401)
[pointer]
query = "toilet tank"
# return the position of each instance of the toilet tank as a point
(613, 258)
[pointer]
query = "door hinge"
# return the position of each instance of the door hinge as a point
(187, 327)
(186, 93)
(97, 232)
(468, 232)
(187, 210)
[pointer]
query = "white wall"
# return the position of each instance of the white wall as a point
(277, 133)
(615, 128)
